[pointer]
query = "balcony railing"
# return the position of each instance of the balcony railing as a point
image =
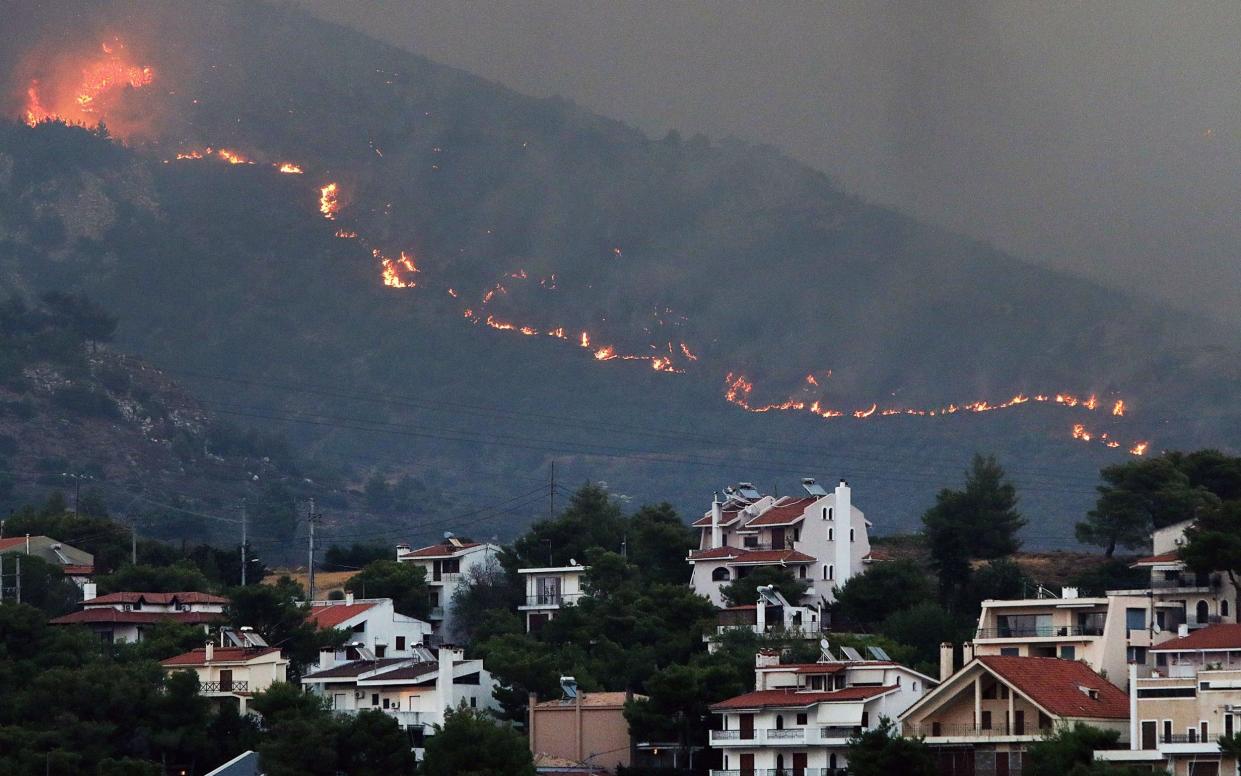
(1037, 632)
(785, 735)
(1185, 581)
(437, 613)
(782, 772)
(552, 599)
(207, 687)
(729, 735)
(932, 730)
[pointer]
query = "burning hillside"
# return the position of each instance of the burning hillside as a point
(86, 89)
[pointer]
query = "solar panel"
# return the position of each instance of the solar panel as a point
(233, 639)
(813, 488)
(748, 492)
(364, 653)
(569, 685)
(878, 654)
(852, 654)
(254, 639)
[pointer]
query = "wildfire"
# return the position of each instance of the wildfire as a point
(606, 353)
(585, 340)
(811, 381)
(329, 205)
(1139, 448)
(85, 98)
(346, 234)
(1118, 409)
(392, 269)
(232, 157)
(288, 168)
(687, 352)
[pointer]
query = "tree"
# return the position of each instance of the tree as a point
(885, 588)
(882, 751)
(404, 583)
(178, 578)
(744, 590)
(275, 612)
(1069, 752)
(371, 743)
(470, 744)
(487, 593)
(43, 585)
(1139, 496)
(1213, 542)
(979, 522)
(659, 537)
(592, 519)
(922, 628)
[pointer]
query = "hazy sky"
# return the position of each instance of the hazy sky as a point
(1101, 137)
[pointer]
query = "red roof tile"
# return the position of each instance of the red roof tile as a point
(13, 541)
(78, 571)
(1153, 560)
(331, 615)
(1055, 684)
(728, 517)
(198, 657)
(106, 614)
(793, 699)
(877, 556)
(439, 550)
(786, 512)
(1215, 637)
(163, 599)
(742, 555)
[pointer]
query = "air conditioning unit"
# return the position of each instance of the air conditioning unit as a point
(358, 695)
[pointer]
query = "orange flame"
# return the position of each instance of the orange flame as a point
(606, 353)
(329, 204)
(687, 352)
(585, 340)
(86, 102)
(1139, 448)
(1118, 409)
(288, 168)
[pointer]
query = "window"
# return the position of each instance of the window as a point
(374, 699)
(387, 703)
(831, 571)
(779, 722)
(381, 650)
(1135, 619)
(1223, 607)
(989, 692)
(1010, 651)
(852, 532)
(360, 627)
(473, 702)
(1167, 730)
(1202, 612)
(1205, 728)
(802, 719)
(720, 575)
(825, 571)
(1068, 652)
(801, 572)
(831, 535)
(824, 513)
(915, 687)
(985, 724)
(796, 534)
(1228, 725)
(400, 643)
(865, 718)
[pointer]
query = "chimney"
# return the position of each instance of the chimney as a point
(348, 599)
(946, 668)
(764, 658)
(443, 679)
(401, 549)
(327, 659)
(760, 615)
(716, 518)
(843, 510)
(210, 651)
(967, 653)
(88, 591)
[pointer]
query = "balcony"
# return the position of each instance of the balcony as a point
(1001, 730)
(223, 688)
(437, 613)
(731, 737)
(550, 600)
(445, 578)
(782, 772)
(1185, 583)
(1045, 632)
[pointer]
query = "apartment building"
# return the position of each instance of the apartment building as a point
(819, 536)
(800, 717)
(232, 672)
(372, 623)
(549, 588)
(980, 720)
(413, 690)
(123, 617)
(1105, 632)
(446, 565)
(1181, 706)
(1181, 596)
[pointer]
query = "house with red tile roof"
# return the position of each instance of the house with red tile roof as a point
(1183, 597)
(228, 673)
(124, 617)
(78, 565)
(446, 565)
(375, 628)
(1184, 704)
(800, 717)
(818, 536)
(986, 714)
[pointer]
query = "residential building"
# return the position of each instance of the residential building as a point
(78, 565)
(123, 617)
(234, 671)
(1105, 632)
(800, 717)
(1181, 707)
(548, 589)
(1181, 596)
(447, 565)
(820, 537)
(372, 623)
(771, 615)
(414, 690)
(981, 719)
(587, 728)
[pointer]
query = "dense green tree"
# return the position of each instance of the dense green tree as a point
(882, 751)
(1137, 497)
(182, 576)
(922, 628)
(743, 591)
(657, 535)
(404, 583)
(484, 602)
(43, 585)
(1213, 542)
(980, 521)
(1111, 574)
(275, 612)
(592, 520)
(470, 744)
(1070, 752)
(371, 743)
(354, 557)
(885, 588)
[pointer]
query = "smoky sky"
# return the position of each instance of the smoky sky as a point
(1100, 138)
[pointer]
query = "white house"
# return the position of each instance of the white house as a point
(547, 589)
(820, 537)
(232, 673)
(122, 617)
(446, 565)
(800, 717)
(78, 565)
(414, 690)
(373, 624)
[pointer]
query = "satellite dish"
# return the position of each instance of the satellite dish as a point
(572, 561)
(1156, 629)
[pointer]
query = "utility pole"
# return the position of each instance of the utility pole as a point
(311, 517)
(19, 579)
(245, 561)
(133, 541)
(551, 492)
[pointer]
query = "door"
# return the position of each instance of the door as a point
(226, 680)
(799, 764)
(1001, 764)
(1204, 769)
(747, 727)
(747, 760)
(1148, 734)
(777, 538)
(1019, 722)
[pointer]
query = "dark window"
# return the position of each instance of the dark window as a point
(400, 643)
(375, 699)
(381, 650)
(473, 702)
(360, 627)
(386, 703)
(719, 575)
(865, 718)
(801, 720)
(934, 730)
(1068, 652)
(779, 722)
(988, 692)
(1167, 730)
(1010, 651)
(986, 721)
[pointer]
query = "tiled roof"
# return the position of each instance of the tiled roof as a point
(198, 657)
(106, 614)
(439, 550)
(727, 517)
(163, 599)
(786, 512)
(1055, 684)
(793, 699)
(1156, 560)
(877, 556)
(78, 571)
(595, 699)
(1216, 637)
(355, 667)
(416, 671)
(742, 555)
(13, 541)
(331, 615)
